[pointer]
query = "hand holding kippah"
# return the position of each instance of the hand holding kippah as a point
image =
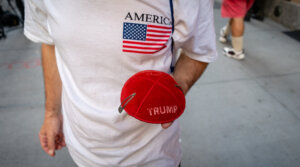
(153, 97)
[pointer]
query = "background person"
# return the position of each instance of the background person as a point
(235, 10)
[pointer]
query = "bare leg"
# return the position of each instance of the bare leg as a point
(237, 26)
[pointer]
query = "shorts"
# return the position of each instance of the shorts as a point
(235, 8)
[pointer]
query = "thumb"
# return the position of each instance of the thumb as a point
(51, 144)
(166, 125)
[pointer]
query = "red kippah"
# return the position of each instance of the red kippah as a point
(153, 97)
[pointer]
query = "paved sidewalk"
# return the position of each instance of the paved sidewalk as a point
(247, 113)
(241, 113)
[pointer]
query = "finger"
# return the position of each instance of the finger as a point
(57, 139)
(59, 142)
(56, 146)
(59, 147)
(172, 76)
(43, 142)
(166, 125)
(63, 143)
(51, 144)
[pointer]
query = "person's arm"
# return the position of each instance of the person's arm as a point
(186, 72)
(51, 135)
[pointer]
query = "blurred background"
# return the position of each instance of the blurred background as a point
(240, 113)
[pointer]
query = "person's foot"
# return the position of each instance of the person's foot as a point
(223, 37)
(230, 52)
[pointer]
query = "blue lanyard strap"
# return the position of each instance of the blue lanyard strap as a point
(172, 45)
(172, 14)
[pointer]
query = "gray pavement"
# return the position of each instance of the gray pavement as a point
(240, 113)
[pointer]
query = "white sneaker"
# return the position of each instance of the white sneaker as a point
(230, 52)
(223, 38)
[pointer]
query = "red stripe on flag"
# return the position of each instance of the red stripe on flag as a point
(146, 48)
(142, 43)
(162, 27)
(158, 31)
(135, 51)
(154, 35)
(143, 52)
(149, 39)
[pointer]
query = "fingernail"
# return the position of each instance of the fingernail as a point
(51, 152)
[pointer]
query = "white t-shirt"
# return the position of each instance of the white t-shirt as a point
(99, 45)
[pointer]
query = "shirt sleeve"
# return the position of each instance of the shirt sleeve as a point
(36, 28)
(194, 29)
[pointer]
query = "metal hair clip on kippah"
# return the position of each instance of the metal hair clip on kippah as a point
(126, 101)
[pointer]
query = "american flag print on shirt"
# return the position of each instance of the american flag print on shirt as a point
(145, 38)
